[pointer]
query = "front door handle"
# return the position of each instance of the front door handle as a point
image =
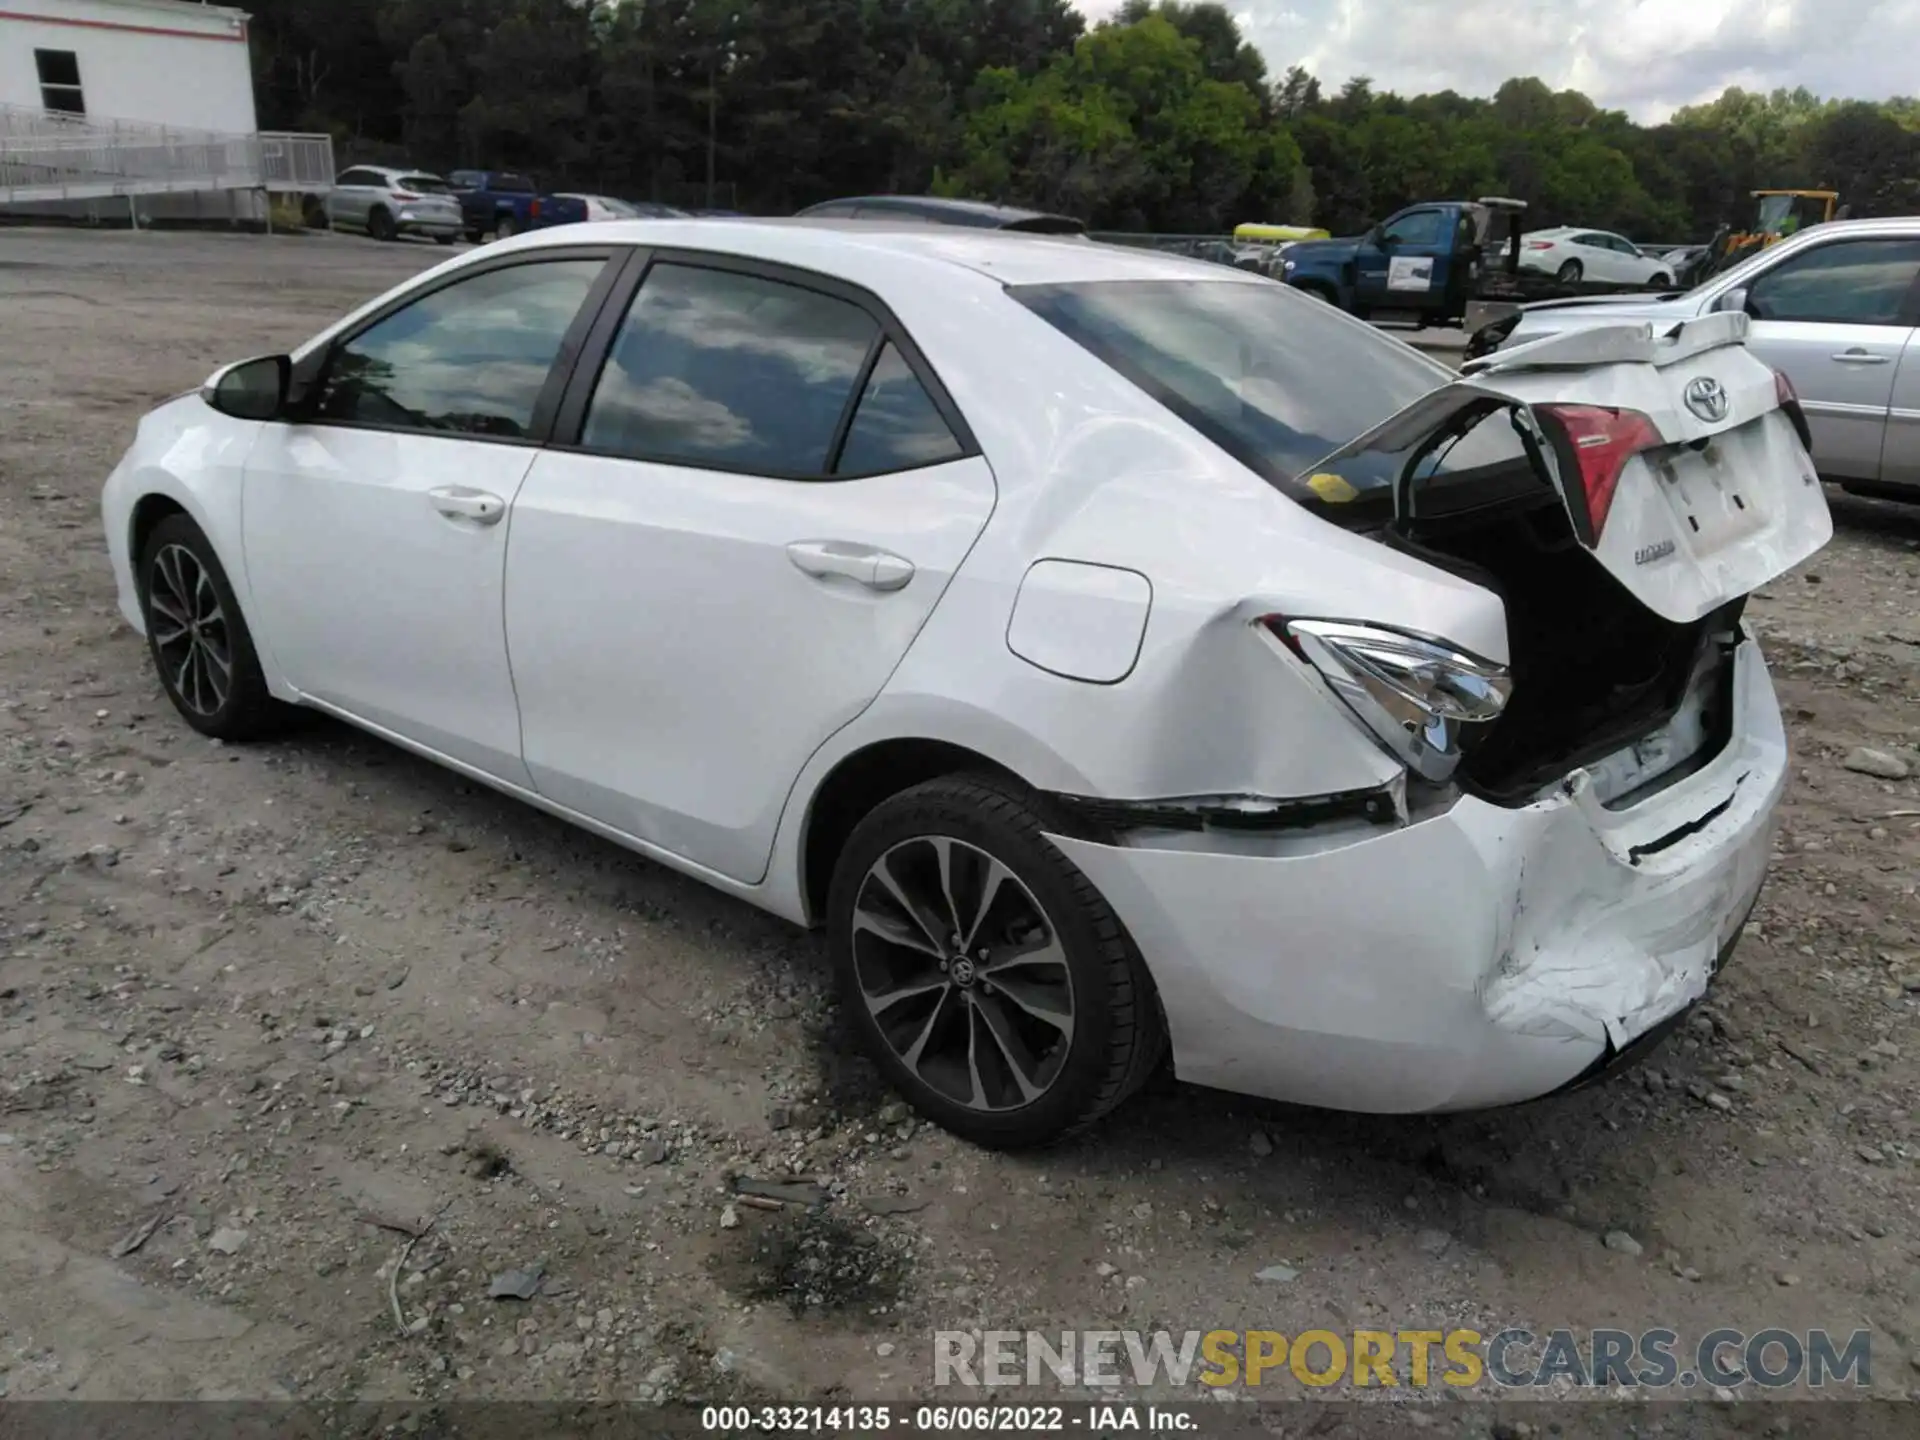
(863, 564)
(1861, 357)
(458, 502)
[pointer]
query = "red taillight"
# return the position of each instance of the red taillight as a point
(1539, 244)
(1788, 399)
(1600, 442)
(405, 196)
(533, 210)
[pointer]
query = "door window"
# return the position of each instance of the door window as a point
(471, 358)
(1860, 282)
(356, 178)
(897, 427)
(1422, 227)
(731, 371)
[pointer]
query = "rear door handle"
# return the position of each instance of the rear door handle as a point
(458, 502)
(863, 564)
(1861, 357)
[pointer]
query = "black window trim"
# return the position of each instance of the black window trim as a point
(310, 374)
(76, 89)
(1907, 315)
(570, 421)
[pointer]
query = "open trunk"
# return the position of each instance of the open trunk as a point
(1622, 491)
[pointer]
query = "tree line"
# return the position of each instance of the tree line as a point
(1162, 118)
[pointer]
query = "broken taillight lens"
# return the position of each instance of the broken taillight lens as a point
(1599, 442)
(1422, 699)
(1789, 399)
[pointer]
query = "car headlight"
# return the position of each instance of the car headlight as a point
(1423, 700)
(1287, 266)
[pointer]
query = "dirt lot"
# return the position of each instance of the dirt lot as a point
(267, 1013)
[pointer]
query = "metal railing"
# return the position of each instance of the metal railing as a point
(49, 156)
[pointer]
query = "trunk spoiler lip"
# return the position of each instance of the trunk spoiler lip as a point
(1644, 342)
(1628, 343)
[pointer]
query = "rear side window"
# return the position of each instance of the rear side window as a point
(471, 358)
(730, 371)
(1275, 379)
(511, 185)
(897, 427)
(1862, 282)
(1422, 227)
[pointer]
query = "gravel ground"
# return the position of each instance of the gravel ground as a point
(304, 1047)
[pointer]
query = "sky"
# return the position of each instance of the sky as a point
(1647, 57)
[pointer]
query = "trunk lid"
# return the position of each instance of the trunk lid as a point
(1713, 494)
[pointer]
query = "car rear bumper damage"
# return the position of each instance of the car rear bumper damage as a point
(1479, 956)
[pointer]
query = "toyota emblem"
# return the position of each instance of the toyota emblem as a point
(1707, 398)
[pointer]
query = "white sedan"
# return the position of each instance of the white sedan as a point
(1025, 613)
(1570, 254)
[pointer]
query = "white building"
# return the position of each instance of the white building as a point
(157, 62)
(110, 108)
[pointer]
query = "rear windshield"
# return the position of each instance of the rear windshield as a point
(426, 184)
(511, 185)
(1276, 379)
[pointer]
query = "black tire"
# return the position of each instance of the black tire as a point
(1662, 281)
(1570, 273)
(1116, 1037)
(247, 711)
(474, 237)
(505, 228)
(380, 224)
(445, 239)
(313, 214)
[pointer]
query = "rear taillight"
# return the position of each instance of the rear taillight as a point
(533, 210)
(1423, 700)
(1789, 401)
(1597, 443)
(1539, 244)
(405, 196)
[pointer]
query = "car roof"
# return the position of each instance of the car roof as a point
(976, 213)
(840, 246)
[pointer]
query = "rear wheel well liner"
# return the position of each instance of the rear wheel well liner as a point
(857, 784)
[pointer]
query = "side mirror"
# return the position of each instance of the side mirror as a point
(1379, 236)
(1734, 299)
(251, 390)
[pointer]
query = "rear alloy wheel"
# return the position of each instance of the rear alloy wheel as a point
(506, 229)
(199, 641)
(989, 979)
(381, 227)
(1570, 273)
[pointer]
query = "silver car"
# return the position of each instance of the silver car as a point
(390, 203)
(1834, 309)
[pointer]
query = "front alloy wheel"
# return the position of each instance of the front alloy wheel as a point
(191, 641)
(962, 973)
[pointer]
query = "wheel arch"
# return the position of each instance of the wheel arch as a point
(862, 780)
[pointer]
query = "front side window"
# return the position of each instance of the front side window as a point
(59, 72)
(1422, 227)
(737, 372)
(470, 359)
(1860, 282)
(1275, 379)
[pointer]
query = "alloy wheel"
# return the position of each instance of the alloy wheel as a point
(191, 640)
(963, 973)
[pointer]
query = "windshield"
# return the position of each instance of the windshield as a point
(1274, 378)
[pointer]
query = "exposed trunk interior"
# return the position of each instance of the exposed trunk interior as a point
(1593, 669)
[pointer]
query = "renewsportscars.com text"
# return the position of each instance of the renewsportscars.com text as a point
(1606, 1359)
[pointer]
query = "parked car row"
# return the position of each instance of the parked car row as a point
(1118, 655)
(389, 203)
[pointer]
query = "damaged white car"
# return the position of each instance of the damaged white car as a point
(1026, 613)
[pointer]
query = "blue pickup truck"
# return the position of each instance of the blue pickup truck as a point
(1422, 263)
(498, 203)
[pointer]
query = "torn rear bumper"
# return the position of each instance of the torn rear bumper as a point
(1480, 957)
